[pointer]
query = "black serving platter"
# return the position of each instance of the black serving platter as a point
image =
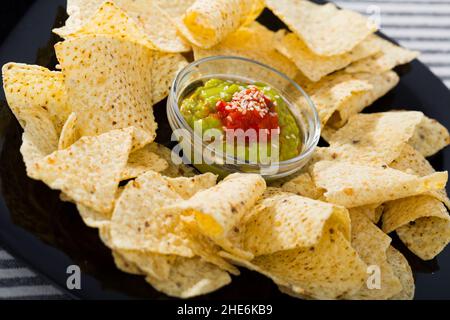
(49, 236)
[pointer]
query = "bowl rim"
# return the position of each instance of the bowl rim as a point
(311, 143)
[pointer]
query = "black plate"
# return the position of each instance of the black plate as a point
(48, 234)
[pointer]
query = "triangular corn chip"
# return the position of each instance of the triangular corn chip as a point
(39, 138)
(329, 270)
(125, 265)
(339, 96)
(110, 90)
(208, 22)
(253, 42)
(112, 21)
(304, 186)
(403, 271)
(421, 222)
(283, 221)
(315, 67)
(173, 275)
(93, 218)
(89, 170)
(430, 137)
(190, 277)
(219, 209)
(376, 138)
(174, 8)
(411, 161)
(176, 167)
(325, 29)
(29, 86)
(164, 69)
(372, 244)
(141, 161)
(390, 56)
(381, 84)
(140, 223)
(69, 133)
(353, 185)
(144, 22)
(136, 223)
(371, 211)
(188, 187)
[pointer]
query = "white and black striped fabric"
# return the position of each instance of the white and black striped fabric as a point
(422, 25)
(19, 282)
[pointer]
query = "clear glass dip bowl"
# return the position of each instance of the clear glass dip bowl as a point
(248, 71)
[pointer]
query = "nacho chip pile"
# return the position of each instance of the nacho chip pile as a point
(89, 132)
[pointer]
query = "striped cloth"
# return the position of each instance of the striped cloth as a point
(422, 25)
(19, 282)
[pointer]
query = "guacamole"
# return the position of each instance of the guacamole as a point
(230, 105)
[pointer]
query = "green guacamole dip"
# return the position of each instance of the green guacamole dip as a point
(202, 105)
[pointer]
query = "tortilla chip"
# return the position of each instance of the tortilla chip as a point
(371, 211)
(141, 161)
(137, 225)
(403, 271)
(188, 187)
(219, 209)
(190, 277)
(376, 138)
(381, 84)
(319, 154)
(164, 69)
(39, 138)
(283, 221)
(339, 96)
(29, 87)
(125, 265)
(174, 8)
(411, 161)
(326, 30)
(353, 185)
(89, 170)
(304, 186)
(173, 275)
(253, 42)
(140, 223)
(93, 218)
(69, 133)
(206, 248)
(110, 20)
(208, 22)
(315, 67)
(144, 22)
(372, 244)
(334, 93)
(390, 56)
(137, 262)
(134, 261)
(329, 270)
(106, 87)
(152, 264)
(421, 222)
(158, 265)
(176, 167)
(430, 137)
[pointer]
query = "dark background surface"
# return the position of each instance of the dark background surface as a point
(49, 235)
(10, 14)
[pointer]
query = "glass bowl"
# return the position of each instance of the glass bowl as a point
(201, 155)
